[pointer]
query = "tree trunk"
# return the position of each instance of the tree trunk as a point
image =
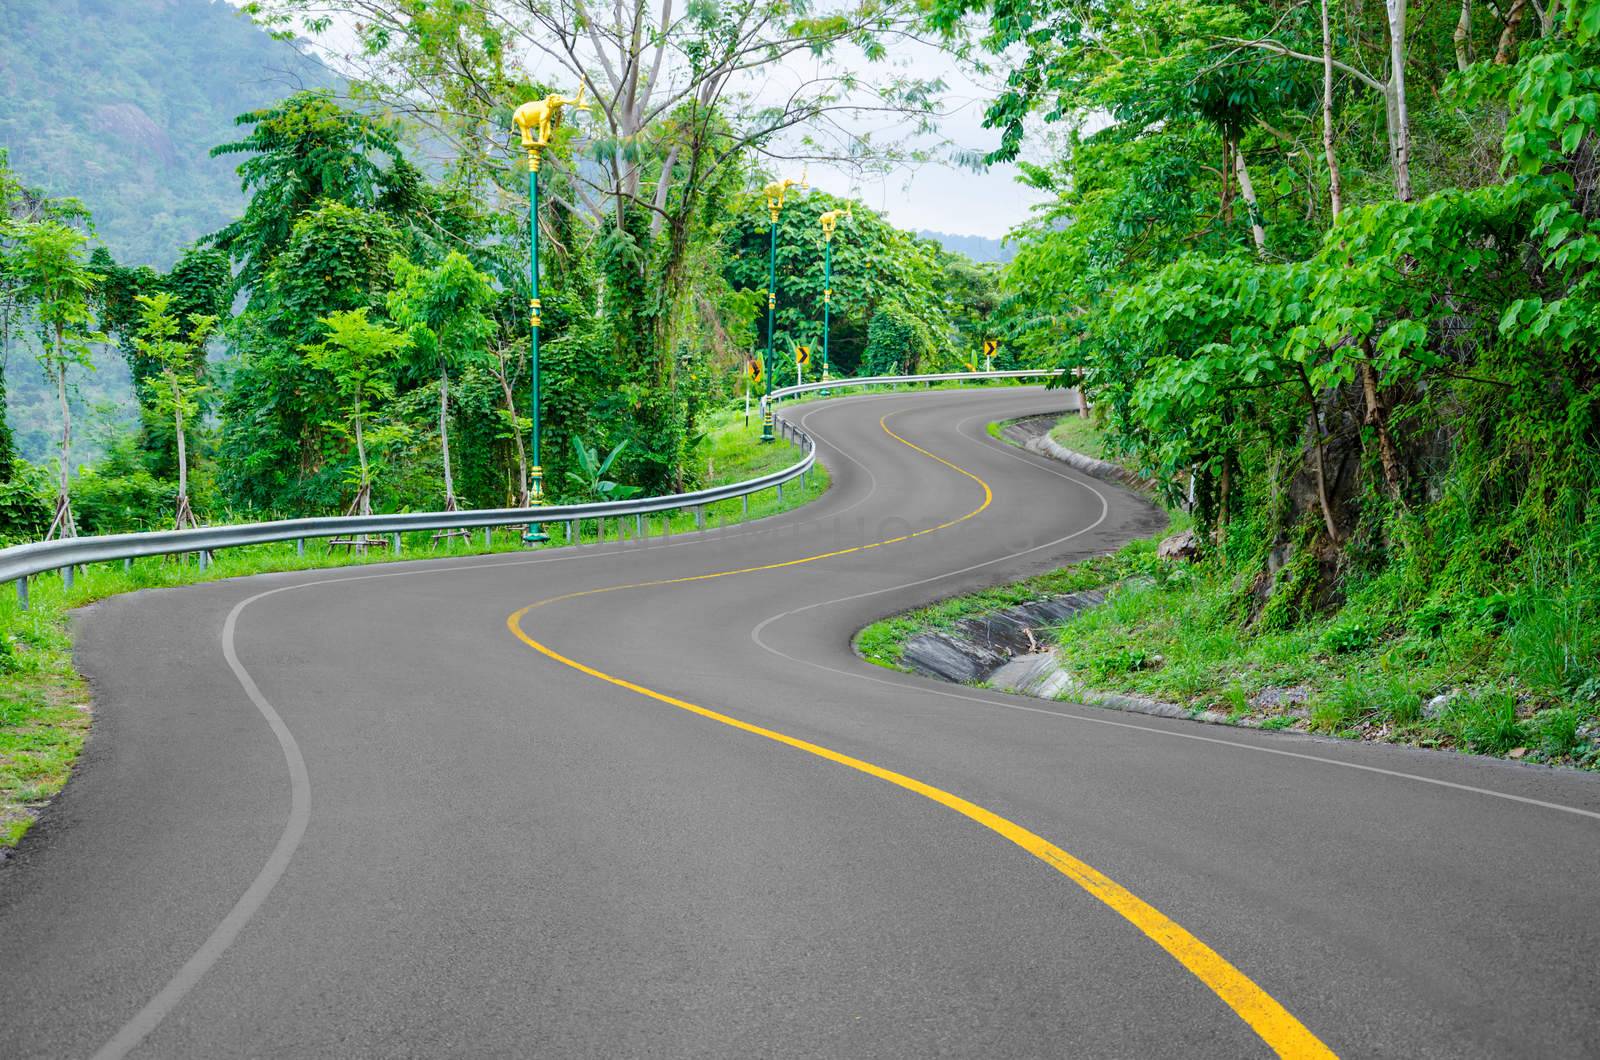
(364, 489)
(1508, 36)
(444, 437)
(1227, 181)
(1224, 488)
(1397, 107)
(1377, 418)
(183, 458)
(1248, 191)
(1318, 451)
(1335, 193)
(516, 435)
(1463, 36)
(63, 525)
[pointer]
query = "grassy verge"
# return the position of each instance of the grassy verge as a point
(883, 642)
(1081, 435)
(44, 703)
(1180, 634)
(1180, 637)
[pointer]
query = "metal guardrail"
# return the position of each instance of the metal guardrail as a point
(20, 562)
(893, 380)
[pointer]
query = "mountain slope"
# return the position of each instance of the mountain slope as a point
(978, 248)
(117, 102)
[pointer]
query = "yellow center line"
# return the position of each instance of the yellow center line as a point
(1284, 1034)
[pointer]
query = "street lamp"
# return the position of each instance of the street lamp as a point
(828, 221)
(536, 120)
(775, 193)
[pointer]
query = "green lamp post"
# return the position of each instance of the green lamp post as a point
(775, 193)
(829, 221)
(536, 119)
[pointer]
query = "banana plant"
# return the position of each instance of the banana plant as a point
(589, 478)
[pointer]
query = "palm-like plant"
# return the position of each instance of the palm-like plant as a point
(589, 478)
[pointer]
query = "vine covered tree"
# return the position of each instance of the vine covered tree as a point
(55, 279)
(176, 386)
(359, 356)
(444, 312)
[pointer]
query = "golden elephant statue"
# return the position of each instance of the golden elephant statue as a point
(775, 191)
(538, 118)
(830, 220)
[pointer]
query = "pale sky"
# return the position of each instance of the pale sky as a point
(933, 195)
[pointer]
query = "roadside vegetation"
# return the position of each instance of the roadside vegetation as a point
(1330, 273)
(1497, 681)
(44, 703)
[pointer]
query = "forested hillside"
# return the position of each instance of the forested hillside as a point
(356, 334)
(118, 102)
(1332, 272)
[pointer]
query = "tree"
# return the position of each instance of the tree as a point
(276, 451)
(676, 116)
(443, 310)
(891, 343)
(176, 386)
(359, 355)
(305, 151)
(59, 287)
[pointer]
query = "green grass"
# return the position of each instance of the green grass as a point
(44, 703)
(1365, 680)
(1081, 435)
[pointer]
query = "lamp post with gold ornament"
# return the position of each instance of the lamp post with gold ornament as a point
(829, 221)
(536, 120)
(774, 193)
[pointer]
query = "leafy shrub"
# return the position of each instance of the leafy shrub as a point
(1491, 612)
(1347, 635)
(1122, 661)
(1430, 619)
(25, 504)
(109, 503)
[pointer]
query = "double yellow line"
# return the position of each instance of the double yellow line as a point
(1284, 1034)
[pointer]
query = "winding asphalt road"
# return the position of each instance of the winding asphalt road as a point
(642, 800)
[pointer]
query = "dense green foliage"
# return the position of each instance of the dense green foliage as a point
(1357, 326)
(935, 301)
(649, 306)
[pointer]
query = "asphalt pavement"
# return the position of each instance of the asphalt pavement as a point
(643, 800)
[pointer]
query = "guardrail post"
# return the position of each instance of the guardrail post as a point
(127, 563)
(299, 546)
(22, 593)
(205, 559)
(638, 526)
(780, 494)
(66, 576)
(746, 500)
(699, 517)
(397, 544)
